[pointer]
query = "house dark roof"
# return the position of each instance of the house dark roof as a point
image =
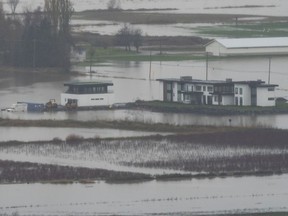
(90, 83)
(256, 83)
(192, 81)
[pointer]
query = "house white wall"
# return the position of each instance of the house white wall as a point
(217, 49)
(227, 100)
(254, 51)
(87, 100)
(265, 97)
(242, 91)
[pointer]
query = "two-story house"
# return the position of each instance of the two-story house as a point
(213, 92)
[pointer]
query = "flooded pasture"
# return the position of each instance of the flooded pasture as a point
(190, 197)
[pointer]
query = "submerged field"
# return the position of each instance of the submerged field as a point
(235, 152)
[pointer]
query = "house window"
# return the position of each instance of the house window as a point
(198, 88)
(236, 90)
(169, 86)
(204, 88)
(271, 99)
(236, 101)
(179, 97)
(210, 89)
(241, 101)
(271, 89)
(216, 98)
(240, 91)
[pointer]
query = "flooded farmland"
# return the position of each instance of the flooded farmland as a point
(207, 196)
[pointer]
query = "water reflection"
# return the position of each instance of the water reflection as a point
(273, 121)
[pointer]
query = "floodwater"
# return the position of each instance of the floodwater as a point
(263, 7)
(205, 196)
(111, 28)
(269, 121)
(28, 134)
(136, 75)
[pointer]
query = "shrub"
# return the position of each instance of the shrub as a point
(74, 139)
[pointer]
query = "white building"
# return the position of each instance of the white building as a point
(87, 94)
(248, 46)
(187, 90)
(244, 93)
(239, 93)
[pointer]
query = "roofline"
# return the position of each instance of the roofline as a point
(193, 81)
(88, 83)
(221, 40)
(257, 83)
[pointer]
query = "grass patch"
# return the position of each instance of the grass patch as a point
(116, 54)
(161, 106)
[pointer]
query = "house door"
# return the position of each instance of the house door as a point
(209, 98)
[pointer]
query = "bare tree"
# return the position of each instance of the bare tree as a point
(124, 36)
(137, 38)
(113, 5)
(128, 36)
(13, 5)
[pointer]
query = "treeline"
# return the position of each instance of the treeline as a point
(39, 38)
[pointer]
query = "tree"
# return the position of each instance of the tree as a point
(137, 38)
(124, 36)
(113, 5)
(128, 35)
(13, 5)
(59, 13)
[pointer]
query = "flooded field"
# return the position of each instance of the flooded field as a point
(187, 197)
(192, 197)
(259, 7)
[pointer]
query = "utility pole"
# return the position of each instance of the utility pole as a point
(269, 74)
(150, 68)
(34, 53)
(207, 64)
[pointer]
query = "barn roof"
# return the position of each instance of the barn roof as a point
(253, 42)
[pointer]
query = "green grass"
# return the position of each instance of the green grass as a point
(212, 109)
(117, 54)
